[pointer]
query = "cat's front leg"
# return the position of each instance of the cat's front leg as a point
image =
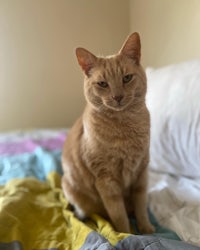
(139, 204)
(111, 195)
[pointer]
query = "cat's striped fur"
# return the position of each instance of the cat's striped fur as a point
(106, 153)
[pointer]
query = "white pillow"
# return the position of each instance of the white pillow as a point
(173, 99)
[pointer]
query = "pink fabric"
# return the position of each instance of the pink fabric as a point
(29, 145)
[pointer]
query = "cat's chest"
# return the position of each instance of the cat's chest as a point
(117, 159)
(120, 147)
(121, 133)
(122, 144)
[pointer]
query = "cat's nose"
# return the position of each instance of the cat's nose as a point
(118, 98)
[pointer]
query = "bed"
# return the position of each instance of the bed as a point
(35, 215)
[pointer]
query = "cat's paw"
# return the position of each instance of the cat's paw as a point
(80, 214)
(146, 228)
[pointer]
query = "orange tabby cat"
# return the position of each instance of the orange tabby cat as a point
(106, 153)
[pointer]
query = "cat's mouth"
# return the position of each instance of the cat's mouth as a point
(119, 106)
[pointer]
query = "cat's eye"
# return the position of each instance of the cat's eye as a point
(127, 78)
(103, 84)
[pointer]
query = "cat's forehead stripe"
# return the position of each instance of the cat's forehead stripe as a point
(112, 67)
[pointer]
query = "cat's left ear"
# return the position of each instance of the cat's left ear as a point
(85, 59)
(132, 47)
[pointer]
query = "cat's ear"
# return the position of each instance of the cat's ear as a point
(132, 47)
(85, 59)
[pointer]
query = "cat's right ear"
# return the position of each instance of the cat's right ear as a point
(86, 60)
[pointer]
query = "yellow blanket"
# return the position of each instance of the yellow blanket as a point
(35, 214)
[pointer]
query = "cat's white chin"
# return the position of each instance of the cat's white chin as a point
(117, 108)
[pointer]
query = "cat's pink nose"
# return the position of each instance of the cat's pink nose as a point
(118, 98)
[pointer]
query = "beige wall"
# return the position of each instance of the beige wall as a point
(170, 29)
(40, 80)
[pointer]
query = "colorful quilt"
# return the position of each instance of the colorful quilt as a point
(34, 213)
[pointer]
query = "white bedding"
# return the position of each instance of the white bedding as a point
(173, 99)
(175, 201)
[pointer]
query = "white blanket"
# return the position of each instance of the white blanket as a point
(175, 201)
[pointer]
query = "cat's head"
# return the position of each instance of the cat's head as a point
(115, 82)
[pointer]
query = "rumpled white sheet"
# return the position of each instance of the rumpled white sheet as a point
(175, 201)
